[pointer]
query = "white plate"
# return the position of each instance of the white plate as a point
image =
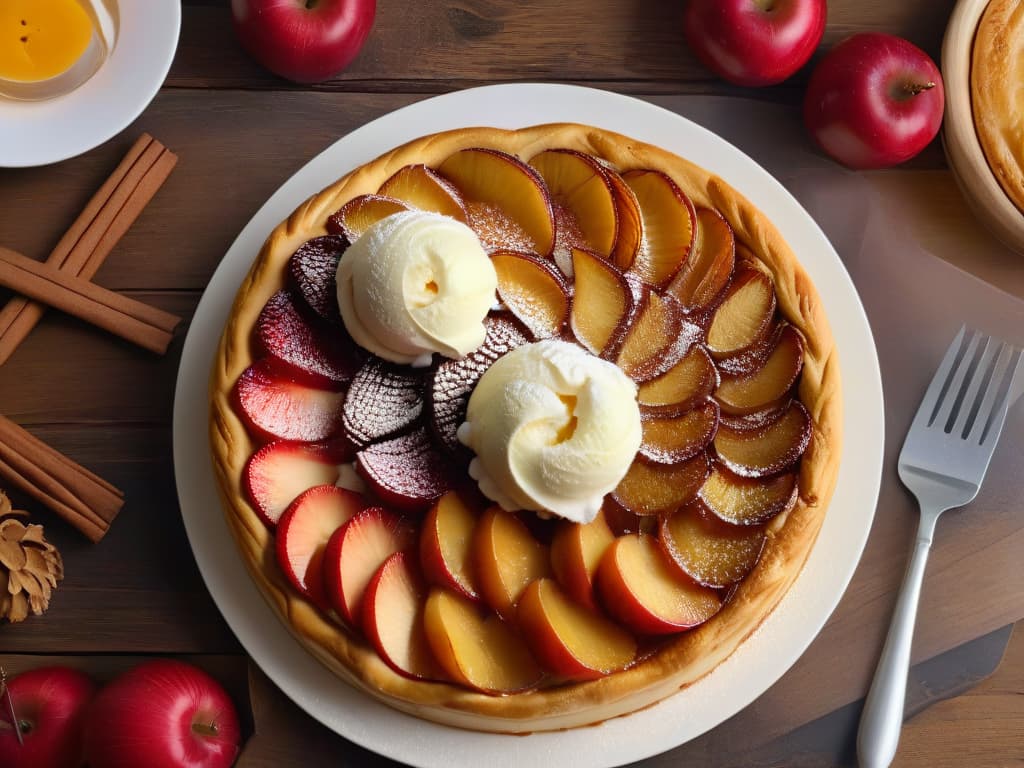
(43, 132)
(748, 672)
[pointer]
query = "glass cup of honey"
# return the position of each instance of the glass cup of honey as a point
(50, 47)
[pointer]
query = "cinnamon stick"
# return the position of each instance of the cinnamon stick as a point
(73, 492)
(139, 323)
(103, 221)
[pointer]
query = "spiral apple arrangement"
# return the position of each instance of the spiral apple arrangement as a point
(161, 714)
(873, 101)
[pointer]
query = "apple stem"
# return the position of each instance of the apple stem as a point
(916, 88)
(205, 729)
(10, 706)
(310, 4)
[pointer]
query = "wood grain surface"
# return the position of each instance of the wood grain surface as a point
(239, 133)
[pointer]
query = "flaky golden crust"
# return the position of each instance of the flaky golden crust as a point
(683, 659)
(997, 93)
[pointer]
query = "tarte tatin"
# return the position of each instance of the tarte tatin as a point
(682, 283)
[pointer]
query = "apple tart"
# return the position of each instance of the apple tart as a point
(361, 469)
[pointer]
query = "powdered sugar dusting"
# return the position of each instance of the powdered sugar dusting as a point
(496, 229)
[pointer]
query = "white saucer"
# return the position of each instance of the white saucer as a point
(43, 132)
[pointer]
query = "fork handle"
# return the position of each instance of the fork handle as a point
(882, 717)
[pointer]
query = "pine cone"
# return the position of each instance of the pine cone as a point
(30, 566)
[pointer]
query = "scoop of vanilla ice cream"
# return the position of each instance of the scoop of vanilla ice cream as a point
(416, 283)
(554, 429)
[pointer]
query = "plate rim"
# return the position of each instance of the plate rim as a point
(859, 478)
(37, 131)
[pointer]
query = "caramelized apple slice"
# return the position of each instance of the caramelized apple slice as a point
(669, 221)
(671, 439)
(745, 314)
(740, 395)
(507, 558)
(645, 346)
(360, 213)
(482, 653)
(766, 448)
(576, 550)
(533, 290)
(651, 489)
(709, 268)
(642, 588)
(568, 639)
(578, 182)
(421, 187)
(601, 304)
(446, 542)
(692, 378)
(752, 358)
(631, 223)
(747, 501)
(711, 552)
(500, 181)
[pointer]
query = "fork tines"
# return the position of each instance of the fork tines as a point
(970, 392)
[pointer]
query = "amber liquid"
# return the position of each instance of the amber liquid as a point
(102, 18)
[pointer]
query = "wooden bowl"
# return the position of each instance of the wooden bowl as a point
(960, 139)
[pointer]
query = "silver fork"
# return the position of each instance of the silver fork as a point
(943, 462)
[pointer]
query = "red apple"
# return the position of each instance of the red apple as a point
(307, 41)
(875, 100)
(49, 704)
(162, 714)
(754, 42)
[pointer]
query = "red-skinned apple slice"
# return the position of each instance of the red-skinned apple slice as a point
(446, 542)
(652, 489)
(641, 587)
(671, 439)
(668, 225)
(747, 501)
(709, 268)
(631, 223)
(741, 395)
(322, 358)
(676, 390)
(765, 449)
(278, 472)
(579, 183)
(302, 535)
(602, 302)
(506, 559)
(354, 553)
(407, 472)
(533, 290)
(745, 315)
(650, 336)
(362, 212)
(393, 609)
(423, 188)
(274, 405)
(572, 641)
(499, 180)
(710, 551)
(576, 551)
(476, 649)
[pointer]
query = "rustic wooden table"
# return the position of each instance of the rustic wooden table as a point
(240, 133)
